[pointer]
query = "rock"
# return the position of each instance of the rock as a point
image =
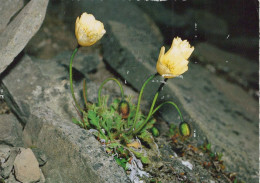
(7, 166)
(84, 63)
(203, 98)
(47, 83)
(7, 11)
(236, 68)
(26, 166)
(45, 103)
(130, 14)
(17, 34)
(39, 87)
(11, 179)
(208, 25)
(40, 156)
(4, 153)
(42, 179)
(10, 130)
(87, 160)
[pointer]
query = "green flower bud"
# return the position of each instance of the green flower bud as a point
(185, 129)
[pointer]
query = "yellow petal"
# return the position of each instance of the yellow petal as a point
(88, 30)
(174, 62)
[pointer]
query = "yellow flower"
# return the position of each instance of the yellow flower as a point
(88, 30)
(174, 62)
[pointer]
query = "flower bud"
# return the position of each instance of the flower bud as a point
(185, 129)
(88, 30)
(124, 109)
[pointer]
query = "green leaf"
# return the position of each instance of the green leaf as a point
(121, 162)
(77, 122)
(94, 120)
(208, 147)
(145, 160)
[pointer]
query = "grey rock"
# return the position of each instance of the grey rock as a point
(236, 68)
(84, 63)
(130, 14)
(39, 82)
(5, 151)
(17, 34)
(7, 11)
(74, 154)
(7, 166)
(40, 156)
(11, 179)
(46, 82)
(45, 103)
(10, 130)
(207, 24)
(218, 110)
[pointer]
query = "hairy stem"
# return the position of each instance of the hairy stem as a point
(85, 93)
(173, 104)
(71, 83)
(151, 109)
(139, 99)
(101, 87)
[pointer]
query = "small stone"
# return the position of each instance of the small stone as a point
(26, 167)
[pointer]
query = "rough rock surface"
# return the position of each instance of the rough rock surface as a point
(7, 10)
(17, 34)
(40, 156)
(46, 105)
(187, 23)
(234, 67)
(26, 166)
(220, 109)
(10, 130)
(74, 154)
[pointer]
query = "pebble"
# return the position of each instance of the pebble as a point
(26, 167)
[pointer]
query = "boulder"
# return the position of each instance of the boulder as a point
(21, 29)
(74, 155)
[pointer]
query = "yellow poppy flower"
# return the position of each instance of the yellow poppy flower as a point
(88, 30)
(174, 62)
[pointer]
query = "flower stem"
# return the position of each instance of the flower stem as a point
(139, 99)
(71, 83)
(172, 103)
(151, 109)
(85, 94)
(101, 87)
